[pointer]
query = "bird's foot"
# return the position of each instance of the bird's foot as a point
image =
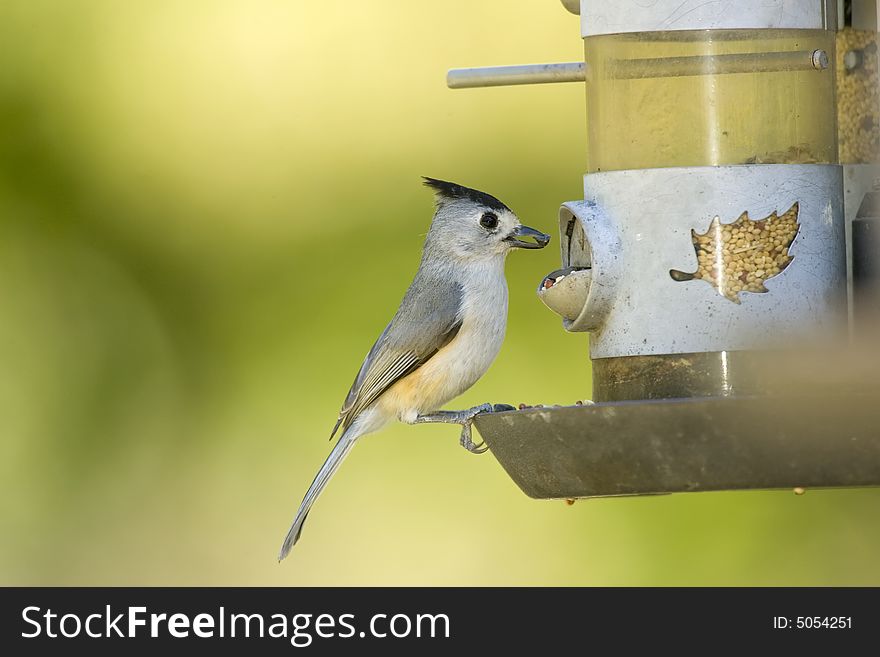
(466, 427)
(468, 443)
(465, 419)
(467, 422)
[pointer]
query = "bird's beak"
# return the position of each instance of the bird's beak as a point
(515, 240)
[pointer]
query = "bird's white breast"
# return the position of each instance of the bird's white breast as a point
(484, 321)
(459, 364)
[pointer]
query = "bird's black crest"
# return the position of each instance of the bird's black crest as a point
(455, 191)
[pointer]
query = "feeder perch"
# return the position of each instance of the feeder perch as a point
(727, 229)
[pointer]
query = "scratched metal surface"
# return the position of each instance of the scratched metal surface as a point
(624, 16)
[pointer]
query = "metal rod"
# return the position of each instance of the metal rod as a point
(668, 67)
(500, 76)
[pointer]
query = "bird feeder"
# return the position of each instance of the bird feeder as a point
(730, 147)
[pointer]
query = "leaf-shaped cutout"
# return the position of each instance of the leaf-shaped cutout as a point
(740, 256)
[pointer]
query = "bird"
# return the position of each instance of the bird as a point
(444, 336)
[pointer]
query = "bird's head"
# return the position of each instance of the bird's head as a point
(473, 225)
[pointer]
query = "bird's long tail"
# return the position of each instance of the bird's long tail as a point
(340, 451)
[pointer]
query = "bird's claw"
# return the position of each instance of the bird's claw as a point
(468, 443)
(466, 440)
(482, 408)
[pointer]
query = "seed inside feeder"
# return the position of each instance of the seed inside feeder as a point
(550, 281)
(741, 256)
(858, 96)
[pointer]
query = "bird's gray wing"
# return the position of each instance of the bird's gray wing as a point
(427, 320)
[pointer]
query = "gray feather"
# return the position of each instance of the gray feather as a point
(427, 320)
(340, 451)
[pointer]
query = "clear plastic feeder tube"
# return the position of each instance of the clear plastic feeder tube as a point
(710, 98)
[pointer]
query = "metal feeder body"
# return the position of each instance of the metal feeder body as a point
(712, 239)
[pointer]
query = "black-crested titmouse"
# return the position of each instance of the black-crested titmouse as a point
(445, 334)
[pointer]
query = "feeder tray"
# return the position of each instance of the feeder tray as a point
(686, 445)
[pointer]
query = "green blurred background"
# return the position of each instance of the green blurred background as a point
(208, 211)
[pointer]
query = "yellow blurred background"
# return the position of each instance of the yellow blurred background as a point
(208, 211)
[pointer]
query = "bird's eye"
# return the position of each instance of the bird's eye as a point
(489, 221)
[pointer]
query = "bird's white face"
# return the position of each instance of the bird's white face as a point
(473, 231)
